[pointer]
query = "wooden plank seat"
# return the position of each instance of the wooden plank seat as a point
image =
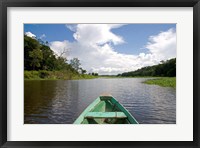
(115, 115)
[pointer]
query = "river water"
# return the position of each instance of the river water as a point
(62, 101)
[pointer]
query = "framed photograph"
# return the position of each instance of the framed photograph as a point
(104, 73)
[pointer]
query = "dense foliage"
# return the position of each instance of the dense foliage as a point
(165, 69)
(39, 56)
(41, 62)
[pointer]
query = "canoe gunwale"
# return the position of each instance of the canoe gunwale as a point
(90, 107)
(131, 119)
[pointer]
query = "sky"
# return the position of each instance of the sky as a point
(109, 49)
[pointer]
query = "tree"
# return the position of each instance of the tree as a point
(64, 52)
(49, 59)
(61, 63)
(29, 45)
(75, 63)
(82, 71)
(37, 57)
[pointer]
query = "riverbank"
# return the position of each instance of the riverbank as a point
(163, 81)
(55, 75)
(67, 75)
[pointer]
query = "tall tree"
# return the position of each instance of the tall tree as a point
(75, 63)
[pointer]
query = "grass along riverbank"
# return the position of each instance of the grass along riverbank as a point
(55, 75)
(163, 81)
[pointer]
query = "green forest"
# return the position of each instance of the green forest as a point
(164, 69)
(40, 62)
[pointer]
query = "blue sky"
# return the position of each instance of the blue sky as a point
(53, 32)
(135, 35)
(130, 42)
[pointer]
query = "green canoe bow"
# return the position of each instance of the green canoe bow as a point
(105, 110)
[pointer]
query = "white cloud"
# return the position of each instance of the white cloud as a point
(71, 27)
(29, 34)
(95, 33)
(42, 36)
(163, 45)
(92, 46)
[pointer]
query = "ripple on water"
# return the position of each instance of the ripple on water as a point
(62, 101)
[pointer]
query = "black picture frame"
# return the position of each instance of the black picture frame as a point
(4, 4)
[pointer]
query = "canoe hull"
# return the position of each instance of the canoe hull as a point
(105, 110)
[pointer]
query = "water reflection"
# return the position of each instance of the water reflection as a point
(62, 101)
(38, 99)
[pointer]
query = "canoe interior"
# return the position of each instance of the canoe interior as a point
(104, 110)
(104, 106)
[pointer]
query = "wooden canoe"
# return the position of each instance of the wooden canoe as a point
(105, 110)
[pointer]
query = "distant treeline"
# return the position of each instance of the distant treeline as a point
(165, 69)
